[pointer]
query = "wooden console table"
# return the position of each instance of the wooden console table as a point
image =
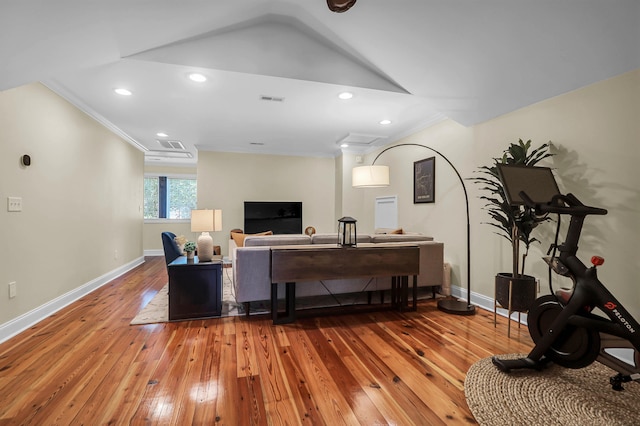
(195, 288)
(293, 264)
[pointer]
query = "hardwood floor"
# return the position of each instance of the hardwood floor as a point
(87, 365)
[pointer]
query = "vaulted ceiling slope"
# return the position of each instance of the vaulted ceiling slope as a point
(412, 62)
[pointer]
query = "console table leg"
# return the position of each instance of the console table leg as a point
(290, 298)
(415, 293)
(274, 302)
(394, 291)
(290, 304)
(404, 298)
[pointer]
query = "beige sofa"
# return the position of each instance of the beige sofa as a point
(252, 266)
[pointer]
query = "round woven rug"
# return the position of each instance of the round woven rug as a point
(554, 396)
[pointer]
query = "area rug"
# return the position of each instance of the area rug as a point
(157, 310)
(554, 396)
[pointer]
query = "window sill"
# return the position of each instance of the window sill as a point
(158, 221)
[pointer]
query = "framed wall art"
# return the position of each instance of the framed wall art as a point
(424, 181)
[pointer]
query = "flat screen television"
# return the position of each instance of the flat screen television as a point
(280, 217)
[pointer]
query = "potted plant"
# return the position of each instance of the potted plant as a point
(190, 247)
(514, 223)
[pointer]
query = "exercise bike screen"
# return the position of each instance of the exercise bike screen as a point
(537, 182)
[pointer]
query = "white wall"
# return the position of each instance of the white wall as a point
(82, 200)
(227, 180)
(595, 133)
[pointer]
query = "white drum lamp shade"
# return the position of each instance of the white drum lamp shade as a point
(205, 221)
(370, 176)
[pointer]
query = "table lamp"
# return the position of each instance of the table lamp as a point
(205, 221)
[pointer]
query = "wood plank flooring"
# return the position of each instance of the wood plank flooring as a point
(86, 365)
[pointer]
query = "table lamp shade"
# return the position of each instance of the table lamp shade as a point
(205, 221)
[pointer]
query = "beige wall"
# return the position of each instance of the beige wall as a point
(226, 180)
(596, 135)
(82, 199)
(85, 185)
(445, 219)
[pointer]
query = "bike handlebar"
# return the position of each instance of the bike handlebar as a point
(562, 204)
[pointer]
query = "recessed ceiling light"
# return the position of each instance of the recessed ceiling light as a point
(344, 145)
(345, 95)
(198, 78)
(162, 135)
(123, 92)
(385, 122)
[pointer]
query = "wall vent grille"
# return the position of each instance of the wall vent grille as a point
(171, 144)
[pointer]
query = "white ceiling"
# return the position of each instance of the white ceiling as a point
(414, 62)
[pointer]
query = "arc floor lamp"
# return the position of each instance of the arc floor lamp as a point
(376, 176)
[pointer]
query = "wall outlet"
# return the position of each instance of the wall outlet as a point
(14, 204)
(115, 254)
(12, 290)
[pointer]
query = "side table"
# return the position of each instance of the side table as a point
(195, 288)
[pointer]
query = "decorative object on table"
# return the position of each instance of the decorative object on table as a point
(377, 176)
(347, 232)
(424, 181)
(340, 6)
(190, 248)
(514, 290)
(180, 241)
(205, 221)
(310, 230)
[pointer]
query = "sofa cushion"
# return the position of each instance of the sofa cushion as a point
(239, 238)
(276, 240)
(333, 238)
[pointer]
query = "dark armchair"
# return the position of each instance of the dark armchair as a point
(171, 250)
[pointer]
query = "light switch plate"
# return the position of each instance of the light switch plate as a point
(14, 204)
(12, 290)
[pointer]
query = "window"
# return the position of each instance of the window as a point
(169, 197)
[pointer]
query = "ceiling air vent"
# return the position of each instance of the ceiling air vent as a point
(171, 144)
(271, 98)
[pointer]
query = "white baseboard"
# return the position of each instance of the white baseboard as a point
(483, 302)
(23, 322)
(154, 252)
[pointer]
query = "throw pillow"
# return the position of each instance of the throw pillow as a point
(239, 238)
(397, 231)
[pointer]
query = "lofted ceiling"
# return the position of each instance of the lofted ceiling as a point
(275, 68)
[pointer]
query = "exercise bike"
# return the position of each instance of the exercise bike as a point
(563, 324)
